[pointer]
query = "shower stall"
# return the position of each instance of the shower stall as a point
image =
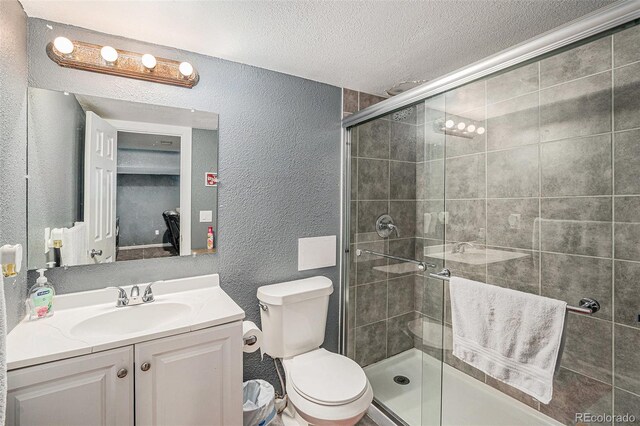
(522, 172)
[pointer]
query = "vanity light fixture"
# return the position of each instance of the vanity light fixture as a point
(109, 60)
(458, 128)
(149, 61)
(186, 69)
(63, 45)
(109, 54)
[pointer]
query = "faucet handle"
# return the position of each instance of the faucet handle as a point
(148, 293)
(394, 228)
(123, 300)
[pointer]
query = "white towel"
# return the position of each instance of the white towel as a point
(73, 245)
(3, 353)
(512, 336)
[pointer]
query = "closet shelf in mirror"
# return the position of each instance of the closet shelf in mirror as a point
(129, 170)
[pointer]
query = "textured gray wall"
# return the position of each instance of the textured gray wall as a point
(140, 201)
(204, 154)
(55, 164)
(13, 145)
(279, 159)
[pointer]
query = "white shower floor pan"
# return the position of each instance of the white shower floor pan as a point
(465, 400)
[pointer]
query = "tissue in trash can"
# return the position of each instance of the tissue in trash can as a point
(259, 407)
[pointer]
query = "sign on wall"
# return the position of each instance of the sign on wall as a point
(210, 179)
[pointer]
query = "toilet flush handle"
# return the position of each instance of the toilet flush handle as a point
(263, 306)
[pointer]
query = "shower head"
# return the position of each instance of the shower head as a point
(403, 86)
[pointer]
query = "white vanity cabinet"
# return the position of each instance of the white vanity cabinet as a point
(193, 378)
(94, 389)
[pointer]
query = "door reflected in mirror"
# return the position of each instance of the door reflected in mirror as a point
(112, 180)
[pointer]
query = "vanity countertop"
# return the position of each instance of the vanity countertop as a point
(87, 322)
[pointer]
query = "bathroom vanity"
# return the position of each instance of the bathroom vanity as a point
(176, 360)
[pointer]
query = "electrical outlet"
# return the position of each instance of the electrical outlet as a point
(157, 232)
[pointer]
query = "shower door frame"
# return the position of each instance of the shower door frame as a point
(608, 18)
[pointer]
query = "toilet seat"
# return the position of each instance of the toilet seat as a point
(326, 378)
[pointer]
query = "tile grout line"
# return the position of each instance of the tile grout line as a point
(486, 183)
(539, 190)
(613, 233)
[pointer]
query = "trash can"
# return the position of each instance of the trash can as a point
(258, 408)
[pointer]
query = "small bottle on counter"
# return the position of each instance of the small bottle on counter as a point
(40, 300)
(210, 239)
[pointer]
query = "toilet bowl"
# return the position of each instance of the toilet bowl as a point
(324, 388)
(327, 388)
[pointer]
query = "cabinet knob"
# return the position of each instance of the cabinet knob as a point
(122, 373)
(145, 366)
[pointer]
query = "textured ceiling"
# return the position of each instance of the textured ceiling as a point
(364, 45)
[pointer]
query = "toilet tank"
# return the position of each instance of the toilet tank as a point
(294, 315)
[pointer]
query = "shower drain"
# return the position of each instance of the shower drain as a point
(401, 380)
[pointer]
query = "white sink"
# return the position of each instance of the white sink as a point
(89, 321)
(472, 256)
(130, 319)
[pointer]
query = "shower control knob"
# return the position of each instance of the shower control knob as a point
(122, 373)
(145, 366)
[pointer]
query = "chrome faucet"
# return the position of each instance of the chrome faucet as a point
(461, 247)
(385, 226)
(394, 228)
(135, 298)
(123, 300)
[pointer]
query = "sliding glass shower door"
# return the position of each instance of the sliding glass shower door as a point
(526, 179)
(395, 311)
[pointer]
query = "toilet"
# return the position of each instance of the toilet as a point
(324, 388)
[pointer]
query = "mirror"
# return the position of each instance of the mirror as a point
(112, 180)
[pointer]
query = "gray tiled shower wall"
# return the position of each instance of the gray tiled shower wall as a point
(381, 296)
(554, 180)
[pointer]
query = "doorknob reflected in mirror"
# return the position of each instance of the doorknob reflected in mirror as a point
(93, 253)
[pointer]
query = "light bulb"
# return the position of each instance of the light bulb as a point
(186, 69)
(480, 130)
(461, 126)
(63, 45)
(449, 124)
(471, 128)
(109, 54)
(149, 61)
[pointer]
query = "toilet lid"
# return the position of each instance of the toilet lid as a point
(327, 378)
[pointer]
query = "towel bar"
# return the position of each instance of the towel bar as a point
(587, 306)
(421, 265)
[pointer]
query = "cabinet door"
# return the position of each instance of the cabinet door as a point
(82, 391)
(191, 379)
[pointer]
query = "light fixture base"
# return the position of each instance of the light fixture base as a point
(86, 56)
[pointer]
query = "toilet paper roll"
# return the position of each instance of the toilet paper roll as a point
(249, 330)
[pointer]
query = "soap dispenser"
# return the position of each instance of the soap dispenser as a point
(40, 301)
